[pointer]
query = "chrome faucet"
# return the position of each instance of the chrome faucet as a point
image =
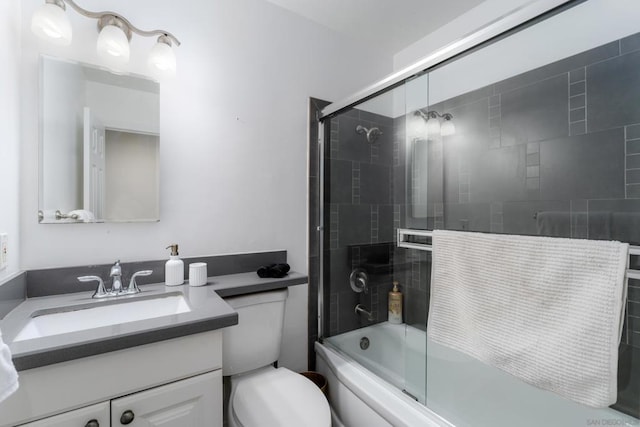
(362, 309)
(116, 276)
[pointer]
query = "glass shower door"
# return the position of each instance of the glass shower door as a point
(367, 198)
(542, 147)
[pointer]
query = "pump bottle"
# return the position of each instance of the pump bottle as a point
(174, 268)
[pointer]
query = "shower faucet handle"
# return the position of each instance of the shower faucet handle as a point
(359, 280)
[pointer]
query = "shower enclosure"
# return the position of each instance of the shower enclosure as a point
(533, 132)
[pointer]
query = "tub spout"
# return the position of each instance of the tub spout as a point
(362, 309)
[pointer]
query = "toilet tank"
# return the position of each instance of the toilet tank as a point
(255, 341)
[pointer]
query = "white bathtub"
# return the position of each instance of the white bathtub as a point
(460, 390)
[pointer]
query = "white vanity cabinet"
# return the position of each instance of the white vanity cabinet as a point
(171, 383)
(98, 415)
(194, 402)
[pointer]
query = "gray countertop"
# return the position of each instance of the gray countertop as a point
(208, 312)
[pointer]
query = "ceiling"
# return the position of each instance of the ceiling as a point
(390, 24)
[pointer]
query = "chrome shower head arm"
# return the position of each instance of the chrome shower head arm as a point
(361, 130)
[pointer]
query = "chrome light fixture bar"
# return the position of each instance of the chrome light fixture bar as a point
(51, 23)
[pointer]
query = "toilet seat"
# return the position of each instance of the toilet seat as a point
(279, 398)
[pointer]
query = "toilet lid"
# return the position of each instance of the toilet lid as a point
(280, 398)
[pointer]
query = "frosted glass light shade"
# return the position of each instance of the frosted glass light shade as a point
(433, 127)
(416, 127)
(113, 47)
(162, 60)
(51, 23)
(447, 128)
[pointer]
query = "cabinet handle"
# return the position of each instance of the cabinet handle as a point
(92, 423)
(127, 417)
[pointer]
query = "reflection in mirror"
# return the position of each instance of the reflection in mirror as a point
(99, 145)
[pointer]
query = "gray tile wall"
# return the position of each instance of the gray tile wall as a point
(359, 195)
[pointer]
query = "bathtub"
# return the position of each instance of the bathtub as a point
(368, 387)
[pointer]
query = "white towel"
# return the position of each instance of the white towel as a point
(546, 310)
(8, 374)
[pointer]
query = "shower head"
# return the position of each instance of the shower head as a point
(372, 134)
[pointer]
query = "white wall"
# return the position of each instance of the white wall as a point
(10, 131)
(233, 135)
(463, 25)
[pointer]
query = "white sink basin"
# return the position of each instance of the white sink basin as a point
(72, 319)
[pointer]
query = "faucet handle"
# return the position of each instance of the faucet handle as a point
(101, 292)
(116, 269)
(133, 286)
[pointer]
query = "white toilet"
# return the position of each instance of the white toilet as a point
(262, 395)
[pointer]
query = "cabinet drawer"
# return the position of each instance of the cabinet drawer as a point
(194, 402)
(98, 413)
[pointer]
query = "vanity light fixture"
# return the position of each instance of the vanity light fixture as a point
(447, 128)
(51, 23)
(162, 58)
(435, 126)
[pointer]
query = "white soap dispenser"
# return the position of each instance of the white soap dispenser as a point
(174, 268)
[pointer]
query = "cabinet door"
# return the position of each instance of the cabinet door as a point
(91, 416)
(194, 402)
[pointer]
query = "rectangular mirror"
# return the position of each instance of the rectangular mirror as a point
(99, 145)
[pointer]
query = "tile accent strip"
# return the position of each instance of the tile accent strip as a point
(375, 215)
(577, 101)
(396, 221)
(334, 142)
(533, 168)
(632, 158)
(495, 119)
(334, 213)
(355, 183)
(375, 153)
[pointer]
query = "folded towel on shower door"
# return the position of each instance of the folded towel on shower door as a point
(8, 374)
(546, 310)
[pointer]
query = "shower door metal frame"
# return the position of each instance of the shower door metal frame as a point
(320, 230)
(522, 17)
